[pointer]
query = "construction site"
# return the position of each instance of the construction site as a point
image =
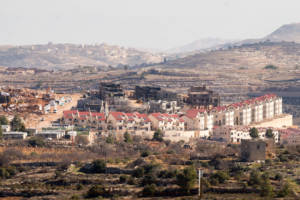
(36, 107)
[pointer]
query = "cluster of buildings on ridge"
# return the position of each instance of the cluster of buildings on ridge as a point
(180, 117)
(229, 123)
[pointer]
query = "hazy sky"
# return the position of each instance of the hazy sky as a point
(158, 24)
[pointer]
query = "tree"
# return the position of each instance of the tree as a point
(253, 133)
(187, 178)
(158, 135)
(127, 137)
(98, 166)
(1, 134)
(266, 189)
(3, 120)
(269, 133)
(17, 124)
(110, 139)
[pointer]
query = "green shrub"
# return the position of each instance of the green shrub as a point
(123, 179)
(187, 179)
(255, 178)
(36, 142)
(158, 136)
(285, 190)
(96, 191)
(139, 172)
(98, 166)
(79, 187)
(148, 179)
(270, 67)
(149, 190)
(220, 176)
(278, 177)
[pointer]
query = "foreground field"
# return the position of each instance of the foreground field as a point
(141, 169)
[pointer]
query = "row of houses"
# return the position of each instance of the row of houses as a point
(121, 122)
(243, 113)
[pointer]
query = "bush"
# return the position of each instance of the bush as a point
(3, 120)
(7, 172)
(36, 142)
(98, 166)
(270, 67)
(127, 137)
(96, 190)
(284, 191)
(148, 179)
(266, 189)
(278, 177)
(123, 179)
(79, 187)
(149, 190)
(110, 139)
(17, 124)
(139, 172)
(255, 178)
(220, 177)
(167, 174)
(145, 153)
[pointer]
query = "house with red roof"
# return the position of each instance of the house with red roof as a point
(164, 121)
(92, 120)
(120, 122)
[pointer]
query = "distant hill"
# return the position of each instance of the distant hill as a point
(206, 43)
(252, 56)
(288, 33)
(68, 56)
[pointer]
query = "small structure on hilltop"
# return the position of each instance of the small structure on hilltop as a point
(253, 150)
(257, 150)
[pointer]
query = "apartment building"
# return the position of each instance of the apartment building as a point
(290, 136)
(198, 119)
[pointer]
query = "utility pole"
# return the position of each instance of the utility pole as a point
(199, 183)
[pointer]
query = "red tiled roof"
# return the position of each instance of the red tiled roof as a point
(192, 113)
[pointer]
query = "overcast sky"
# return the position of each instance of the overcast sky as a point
(158, 24)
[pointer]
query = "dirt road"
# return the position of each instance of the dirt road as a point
(40, 121)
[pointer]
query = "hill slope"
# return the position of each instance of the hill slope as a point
(70, 55)
(288, 33)
(256, 56)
